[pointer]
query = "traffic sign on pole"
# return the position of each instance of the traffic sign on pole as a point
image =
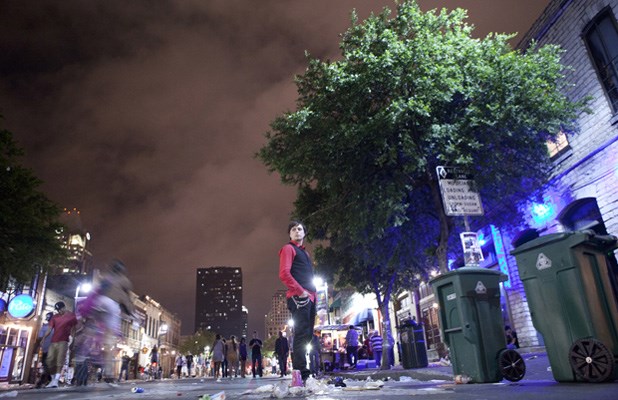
(459, 194)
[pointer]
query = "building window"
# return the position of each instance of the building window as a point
(601, 37)
(557, 146)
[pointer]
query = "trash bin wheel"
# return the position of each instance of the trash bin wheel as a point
(511, 364)
(591, 360)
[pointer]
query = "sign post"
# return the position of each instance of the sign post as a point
(461, 198)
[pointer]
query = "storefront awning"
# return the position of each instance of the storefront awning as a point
(362, 316)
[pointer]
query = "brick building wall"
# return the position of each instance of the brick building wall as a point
(589, 168)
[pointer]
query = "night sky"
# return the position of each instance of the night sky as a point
(146, 116)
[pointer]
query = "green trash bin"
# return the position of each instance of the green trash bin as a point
(412, 342)
(572, 302)
(472, 327)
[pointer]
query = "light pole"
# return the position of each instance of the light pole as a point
(82, 288)
(322, 286)
(163, 328)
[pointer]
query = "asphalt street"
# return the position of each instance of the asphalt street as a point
(434, 382)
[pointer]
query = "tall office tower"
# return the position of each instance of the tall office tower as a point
(218, 300)
(278, 315)
(75, 240)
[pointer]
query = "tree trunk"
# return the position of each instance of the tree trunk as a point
(445, 226)
(387, 337)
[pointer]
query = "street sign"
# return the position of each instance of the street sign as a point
(459, 193)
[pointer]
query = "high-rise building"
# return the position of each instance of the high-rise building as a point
(278, 315)
(75, 240)
(218, 300)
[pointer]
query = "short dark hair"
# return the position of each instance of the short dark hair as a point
(59, 305)
(292, 224)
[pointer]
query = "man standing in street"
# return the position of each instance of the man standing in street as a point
(282, 349)
(61, 327)
(45, 377)
(296, 273)
(256, 355)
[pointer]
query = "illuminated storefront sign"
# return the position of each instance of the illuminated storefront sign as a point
(21, 306)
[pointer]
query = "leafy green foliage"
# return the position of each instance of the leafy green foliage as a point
(412, 92)
(28, 219)
(196, 343)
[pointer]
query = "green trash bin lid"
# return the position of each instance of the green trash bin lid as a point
(574, 238)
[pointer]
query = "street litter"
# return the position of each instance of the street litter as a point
(216, 396)
(462, 379)
(12, 393)
(137, 390)
(405, 379)
(531, 358)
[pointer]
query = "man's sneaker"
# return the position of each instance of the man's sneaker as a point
(218, 379)
(52, 384)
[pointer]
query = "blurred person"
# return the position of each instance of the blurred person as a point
(351, 340)
(217, 354)
(256, 355)
(189, 361)
(242, 356)
(314, 354)
(296, 273)
(512, 342)
(375, 341)
(124, 366)
(107, 301)
(61, 328)
(232, 357)
(178, 362)
(282, 350)
(224, 362)
(43, 346)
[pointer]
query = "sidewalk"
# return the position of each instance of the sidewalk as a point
(536, 361)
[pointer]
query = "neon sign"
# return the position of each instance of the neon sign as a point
(21, 306)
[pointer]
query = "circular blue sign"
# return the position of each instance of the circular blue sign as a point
(21, 306)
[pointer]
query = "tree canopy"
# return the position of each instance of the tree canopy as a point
(409, 93)
(29, 226)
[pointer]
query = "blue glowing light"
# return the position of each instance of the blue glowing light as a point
(481, 239)
(21, 306)
(542, 213)
(501, 255)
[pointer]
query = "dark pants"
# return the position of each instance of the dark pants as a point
(125, 369)
(283, 363)
(81, 373)
(303, 332)
(256, 361)
(352, 355)
(314, 360)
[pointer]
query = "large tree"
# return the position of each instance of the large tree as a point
(29, 225)
(409, 93)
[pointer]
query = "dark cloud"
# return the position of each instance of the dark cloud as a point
(147, 115)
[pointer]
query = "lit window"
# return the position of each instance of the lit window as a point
(557, 146)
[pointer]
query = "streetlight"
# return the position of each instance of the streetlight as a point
(321, 285)
(82, 288)
(163, 328)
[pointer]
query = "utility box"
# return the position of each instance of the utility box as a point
(572, 302)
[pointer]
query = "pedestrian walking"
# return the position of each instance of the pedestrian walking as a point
(282, 350)
(256, 355)
(375, 341)
(232, 357)
(351, 339)
(61, 327)
(314, 354)
(242, 356)
(217, 354)
(44, 377)
(124, 366)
